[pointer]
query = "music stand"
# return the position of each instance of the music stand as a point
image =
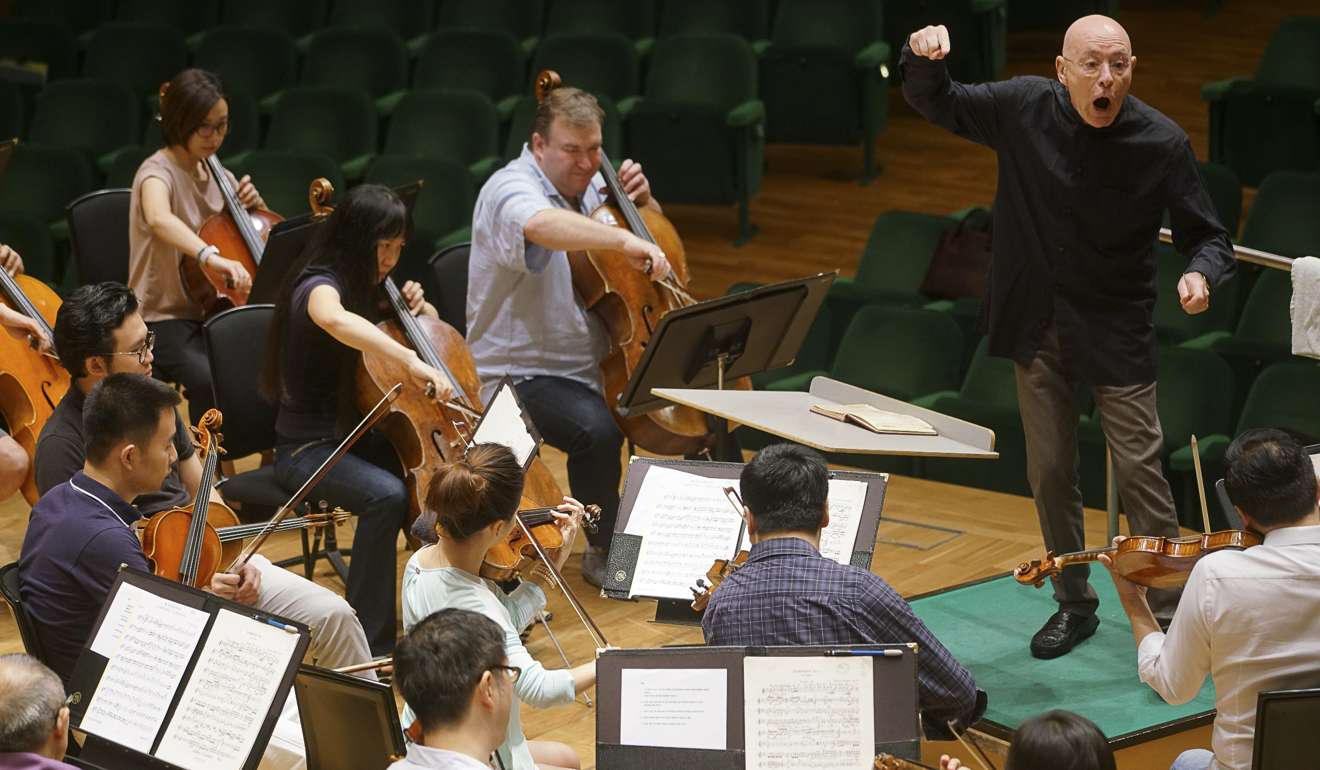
(703, 345)
(284, 248)
(348, 723)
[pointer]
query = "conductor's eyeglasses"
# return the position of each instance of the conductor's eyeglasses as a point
(1090, 67)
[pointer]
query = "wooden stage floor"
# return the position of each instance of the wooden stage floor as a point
(814, 216)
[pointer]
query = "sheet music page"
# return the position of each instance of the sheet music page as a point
(229, 694)
(846, 499)
(683, 708)
(686, 523)
(149, 641)
(503, 424)
(812, 713)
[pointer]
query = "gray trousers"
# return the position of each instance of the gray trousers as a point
(1047, 400)
(337, 636)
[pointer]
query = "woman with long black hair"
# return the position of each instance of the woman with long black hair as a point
(322, 324)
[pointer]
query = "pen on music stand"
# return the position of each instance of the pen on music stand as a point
(282, 626)
(890, 653)
(736, 501)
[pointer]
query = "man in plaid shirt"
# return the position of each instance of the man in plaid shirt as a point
(788, 594)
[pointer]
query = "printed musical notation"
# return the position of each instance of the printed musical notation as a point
(809, 713)
(846, 497)
(685, 523)
(148, 641)
(229, 694)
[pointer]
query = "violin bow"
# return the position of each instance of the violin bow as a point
(374, 416)
(970, 744)
(573, 602)
(1200, 485)
(735, 500)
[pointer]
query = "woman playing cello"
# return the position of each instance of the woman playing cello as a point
(474, 501)
(174, 194)
(14, 460)
(320, 327)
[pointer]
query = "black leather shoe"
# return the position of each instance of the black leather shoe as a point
(1061, 633)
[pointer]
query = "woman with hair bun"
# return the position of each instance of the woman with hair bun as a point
(473, 502)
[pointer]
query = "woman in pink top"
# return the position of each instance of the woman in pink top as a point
(173, 196)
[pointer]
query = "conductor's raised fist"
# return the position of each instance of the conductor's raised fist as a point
(930, 42)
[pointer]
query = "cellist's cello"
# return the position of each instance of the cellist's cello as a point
(32, 381)
(424, 431)
(631, 304)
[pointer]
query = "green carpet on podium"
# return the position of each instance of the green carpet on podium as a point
(988, 625)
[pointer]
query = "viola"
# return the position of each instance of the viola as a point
(548, 563)
(516, 554)
(1156, 562)
(32, 381)
(238, 233)
(631, 304)
(425, 432)
(722, 568)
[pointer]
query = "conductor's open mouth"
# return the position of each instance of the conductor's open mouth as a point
(1102, 103)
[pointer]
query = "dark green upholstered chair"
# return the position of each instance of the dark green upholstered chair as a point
(337, 122)
(490, 62)
(977, 30)
(699, 128)
(1270, 122)
(95, 117)
(458, 126)
(284, 177)
(258, 61)
(523, 19)
(370, 59)
(824, 77)
(442, 215)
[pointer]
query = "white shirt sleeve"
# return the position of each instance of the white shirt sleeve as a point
(1176, 664)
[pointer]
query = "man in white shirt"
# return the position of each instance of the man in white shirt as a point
(1250, 619)
(452, 671)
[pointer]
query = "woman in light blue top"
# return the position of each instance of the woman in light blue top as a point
(473, 502)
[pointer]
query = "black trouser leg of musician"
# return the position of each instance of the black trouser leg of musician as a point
(379, 500)
(1132, 428)
(180, 356)
(574, 418)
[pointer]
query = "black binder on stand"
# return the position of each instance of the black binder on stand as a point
(164, 661)
(720, 340)
(626, 739)
(625, 548)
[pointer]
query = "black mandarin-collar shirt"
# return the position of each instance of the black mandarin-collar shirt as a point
(1076, 217)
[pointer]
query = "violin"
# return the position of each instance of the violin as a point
(32, 381)
(631, 304)
(426, 432)
(238, 233)
(515, 553)
(722, 568)
(1156, 562)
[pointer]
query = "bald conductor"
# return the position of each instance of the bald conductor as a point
(1085, 174)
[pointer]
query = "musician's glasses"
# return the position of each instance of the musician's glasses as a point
(208, 130)
(140, 351)
(1090, 67)
(514, 671)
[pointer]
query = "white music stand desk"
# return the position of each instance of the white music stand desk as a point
(789, 416)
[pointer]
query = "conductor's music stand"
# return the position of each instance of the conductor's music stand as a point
(706, 344)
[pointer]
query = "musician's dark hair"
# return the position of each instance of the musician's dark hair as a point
(191, 96)
(572, 106)
(438, 664)
(1059, 740)
(1270, 477)
(473, 492)
(86, 322)
(345, 246)
(786, 486)
(124, 407)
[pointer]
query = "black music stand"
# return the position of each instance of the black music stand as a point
(348, 723)
(706, 344)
